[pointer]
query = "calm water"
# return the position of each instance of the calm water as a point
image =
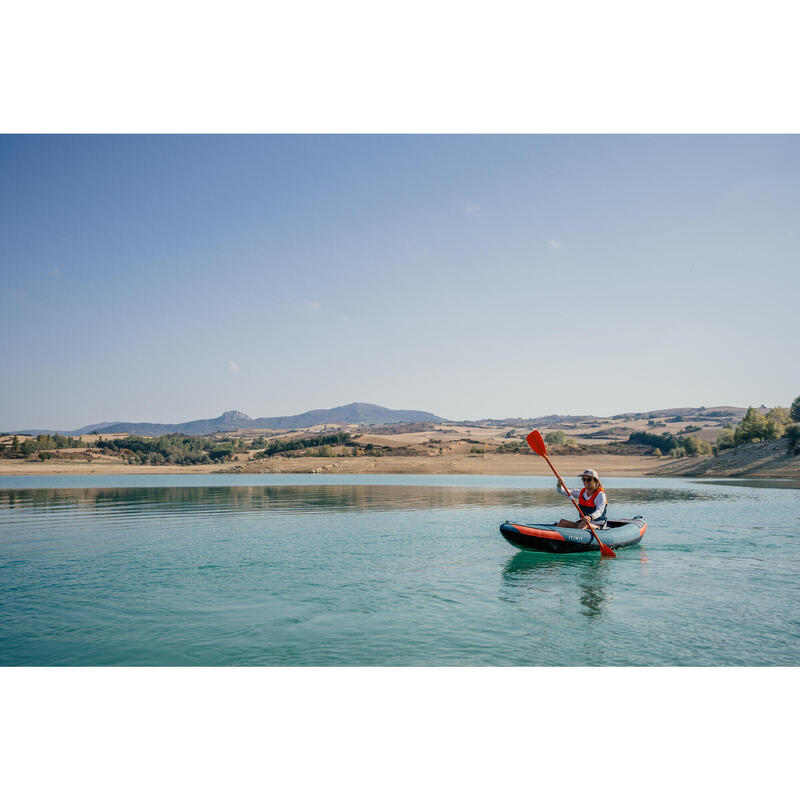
(389, 570)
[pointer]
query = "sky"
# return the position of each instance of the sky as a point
(169, 278)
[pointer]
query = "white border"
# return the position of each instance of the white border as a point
(399, 733)
(433, 66)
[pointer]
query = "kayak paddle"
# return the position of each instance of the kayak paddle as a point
(534, 439)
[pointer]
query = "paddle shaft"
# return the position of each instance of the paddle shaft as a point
(604, 548)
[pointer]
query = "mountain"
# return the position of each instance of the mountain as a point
(352, 414)
(369, 414)
(229, 421)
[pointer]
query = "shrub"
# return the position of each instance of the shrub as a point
(794, 411)
(696, 447)
(725, 439)
(223, 450)
(555, 437)
(793, 434)
(510, 447)
(663, 441)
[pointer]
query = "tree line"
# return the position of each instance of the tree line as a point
(44, 441)
(674, 446)
(172, 448)
(758, 427)
(287, 445)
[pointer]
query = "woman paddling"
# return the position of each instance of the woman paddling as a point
(591, 499)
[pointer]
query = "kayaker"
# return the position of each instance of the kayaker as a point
(591, 499)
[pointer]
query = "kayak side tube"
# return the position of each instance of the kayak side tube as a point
(553, 539)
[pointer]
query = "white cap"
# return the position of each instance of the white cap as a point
(589, 473)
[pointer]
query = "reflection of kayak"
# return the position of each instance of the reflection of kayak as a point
(552, 539)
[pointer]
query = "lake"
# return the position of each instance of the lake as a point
(295, 570)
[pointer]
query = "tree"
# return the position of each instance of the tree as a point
(725, 439)
(15, 443)
(794, 411)
(779, 415)
(555, 437)
(753, 426)
(777, 420)
(772, 430)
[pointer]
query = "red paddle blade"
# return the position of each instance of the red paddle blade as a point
(606, 551)
(534, 439)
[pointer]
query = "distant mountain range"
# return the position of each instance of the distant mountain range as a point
(367, 414)
(352, 414)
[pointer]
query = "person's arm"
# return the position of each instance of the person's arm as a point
(573, 493)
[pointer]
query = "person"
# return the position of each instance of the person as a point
(592, 501)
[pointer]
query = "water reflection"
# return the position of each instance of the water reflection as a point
(323, 498)
(535, 570)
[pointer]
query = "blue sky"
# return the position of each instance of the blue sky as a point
(167, 278)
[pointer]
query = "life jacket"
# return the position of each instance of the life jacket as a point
(588, 504)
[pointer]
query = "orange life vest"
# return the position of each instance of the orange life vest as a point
(588, 504)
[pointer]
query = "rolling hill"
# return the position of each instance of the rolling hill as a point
(352, 414)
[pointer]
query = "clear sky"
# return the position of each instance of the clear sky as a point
(168, 278)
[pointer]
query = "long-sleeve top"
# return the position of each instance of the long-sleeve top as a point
(600, 500)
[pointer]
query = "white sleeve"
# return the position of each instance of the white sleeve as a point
(576, 493)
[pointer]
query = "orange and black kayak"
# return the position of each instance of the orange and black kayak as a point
(553, 539)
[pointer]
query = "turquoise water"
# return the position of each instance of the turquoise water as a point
(389, 570)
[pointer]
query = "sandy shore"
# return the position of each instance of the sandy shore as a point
(487, 464)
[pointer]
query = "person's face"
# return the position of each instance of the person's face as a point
(589, 483)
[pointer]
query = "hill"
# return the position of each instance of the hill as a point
(762, 459)
(352, 414)
(368, 414)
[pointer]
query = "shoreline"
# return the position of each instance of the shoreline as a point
(457, 464)
(569, 466)
(487, 464)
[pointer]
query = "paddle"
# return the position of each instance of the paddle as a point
(534, 439)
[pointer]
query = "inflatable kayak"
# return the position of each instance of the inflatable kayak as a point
(552, 539)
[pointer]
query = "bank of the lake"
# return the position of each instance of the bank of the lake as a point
(454, 464)
(772, 459)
